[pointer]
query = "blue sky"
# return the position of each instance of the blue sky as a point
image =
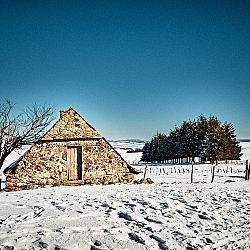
(129, 67)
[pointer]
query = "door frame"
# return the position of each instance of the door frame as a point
(79, 161)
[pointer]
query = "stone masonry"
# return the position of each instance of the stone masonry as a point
(49, 161)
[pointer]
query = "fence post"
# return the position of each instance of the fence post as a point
(192, 172)
(145, 172)
(246, 171)
(213, 170)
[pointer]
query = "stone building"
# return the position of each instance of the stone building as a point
(72, 152)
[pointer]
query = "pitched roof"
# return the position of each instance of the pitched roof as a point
(70, 126)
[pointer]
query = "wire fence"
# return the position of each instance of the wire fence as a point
(184, 169)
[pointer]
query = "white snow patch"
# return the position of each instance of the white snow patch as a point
(163, 215)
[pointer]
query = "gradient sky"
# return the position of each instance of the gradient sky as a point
(129, 67)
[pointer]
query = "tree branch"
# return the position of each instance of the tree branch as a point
(22, 129)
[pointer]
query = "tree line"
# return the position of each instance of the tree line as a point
(203, 137)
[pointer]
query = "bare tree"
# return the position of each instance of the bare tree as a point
(21, 129)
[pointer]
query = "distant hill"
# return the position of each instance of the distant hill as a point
(128, 144)
(129, 141)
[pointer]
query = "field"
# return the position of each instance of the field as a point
(172, 213)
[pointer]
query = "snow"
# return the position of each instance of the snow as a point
(245, 150)
(13, 156)
(172, 213)
(123, 146)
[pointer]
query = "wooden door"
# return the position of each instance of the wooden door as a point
(75, 168)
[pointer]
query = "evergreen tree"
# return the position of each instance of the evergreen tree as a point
(146, 152)
(166, 148)
(161, 140)
(206, 138)
(202, 128)
(231, 149)
(175, 144)
(213, 142)
(191, 139)
(151, 150)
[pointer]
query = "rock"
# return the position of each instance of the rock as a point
(144, 181)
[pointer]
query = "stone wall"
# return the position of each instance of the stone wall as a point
(46, 164)
(71, 126)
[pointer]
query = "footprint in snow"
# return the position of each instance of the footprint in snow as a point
(151, 219)
(8, 248)
(43, 245)
(164, 205)
(97, 243)
(161, 243)
(57, 206)
(203, 217)
(125, 216)
(61, 208)
(59, 248)
(163, 246)
(191, 207)
(179, 236)
(191, 247)
(209, 241)
(105, 204)
(97, 246)
(157, 238)
(144, 203)
(136, 238)
(38, 211)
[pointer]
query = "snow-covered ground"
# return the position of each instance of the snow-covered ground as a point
(164, 215)
(245, 150)
(123, 146)
(172, 213)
